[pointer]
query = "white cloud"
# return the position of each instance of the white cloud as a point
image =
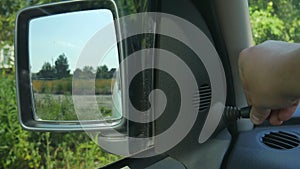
(64, 44)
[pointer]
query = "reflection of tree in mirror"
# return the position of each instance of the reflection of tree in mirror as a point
(47, 72)
(102, 78)
(57, 79)
(103, 73)
(58, 71)
(61, 70)
(88, 72)
(62, 67)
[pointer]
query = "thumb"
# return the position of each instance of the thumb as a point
(259, 115)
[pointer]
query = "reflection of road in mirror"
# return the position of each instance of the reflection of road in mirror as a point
(102, 108)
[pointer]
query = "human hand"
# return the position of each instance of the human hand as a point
(268, 79)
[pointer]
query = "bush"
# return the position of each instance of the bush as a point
(275, 20)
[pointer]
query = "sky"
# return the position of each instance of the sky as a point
(68, 33)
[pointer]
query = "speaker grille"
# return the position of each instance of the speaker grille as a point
(281, 140)
(202, 97)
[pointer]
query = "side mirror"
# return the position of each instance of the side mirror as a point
(58, 83)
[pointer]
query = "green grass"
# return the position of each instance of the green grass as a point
(61, 107)
(24, 149)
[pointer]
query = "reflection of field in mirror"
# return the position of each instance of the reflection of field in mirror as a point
(64, 86)
(61, 107)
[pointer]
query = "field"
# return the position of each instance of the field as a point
(62, 107)
(62, 99)
(64, 86)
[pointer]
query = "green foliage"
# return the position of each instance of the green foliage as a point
(102, 72)
(23, 149)
(8, 13)
(47, 71)
(275, 20)
(88, 72)
(61, 70)
(105, 111)
(58, 71)
(62, 67)
(58, 108)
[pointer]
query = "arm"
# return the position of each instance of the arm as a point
(270, 76)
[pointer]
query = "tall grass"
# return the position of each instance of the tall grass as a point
(55, 108)
(61, 107)
(64, 86)
(24, 149)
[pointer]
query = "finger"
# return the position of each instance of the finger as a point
(274, 118)
(248, 98)
(242, 77)
(258, 116)
(287, 113)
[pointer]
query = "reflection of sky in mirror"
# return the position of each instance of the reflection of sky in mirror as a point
(67, 33)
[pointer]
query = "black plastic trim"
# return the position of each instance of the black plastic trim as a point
(250, 152)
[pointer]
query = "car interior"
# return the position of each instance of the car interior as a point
(232, 144)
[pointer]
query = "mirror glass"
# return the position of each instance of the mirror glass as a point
(55, 44)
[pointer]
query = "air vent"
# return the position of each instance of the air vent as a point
(202, 97)
(281, 140)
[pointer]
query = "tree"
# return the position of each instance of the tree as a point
(8, 13)
(62, 67)
(102, 72)
(111, 73)
(88, 72)
(77, 73)
(275, 19)
(47, 72)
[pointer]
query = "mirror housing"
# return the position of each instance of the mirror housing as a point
(23, 77)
